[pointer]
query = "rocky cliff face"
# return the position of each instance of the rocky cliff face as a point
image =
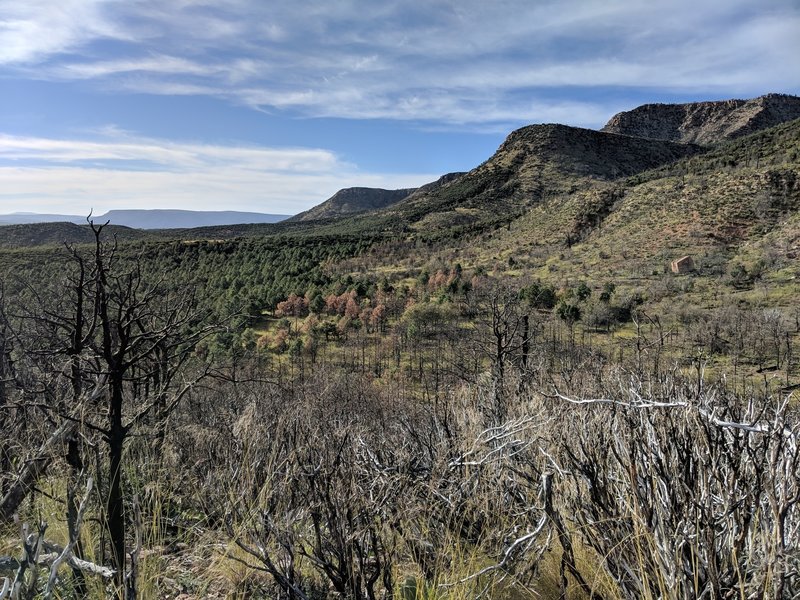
(705, 123)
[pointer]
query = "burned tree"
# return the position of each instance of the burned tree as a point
(110, 357)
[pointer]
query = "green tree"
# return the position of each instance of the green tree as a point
(583, 291)
(539, 295)
(608, 291)
(317, 303)
(568, 312)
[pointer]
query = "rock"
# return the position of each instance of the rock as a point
(705, 123)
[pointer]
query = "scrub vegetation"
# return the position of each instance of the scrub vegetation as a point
(494, 388)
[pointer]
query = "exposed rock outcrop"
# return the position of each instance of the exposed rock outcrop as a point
(705, 123)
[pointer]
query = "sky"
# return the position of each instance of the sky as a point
(272, 106)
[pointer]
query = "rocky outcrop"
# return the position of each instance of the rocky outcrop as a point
(705, 123)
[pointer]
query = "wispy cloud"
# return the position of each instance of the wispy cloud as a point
(122, 171)
(168, 155)
(34, 30)
(444, 61)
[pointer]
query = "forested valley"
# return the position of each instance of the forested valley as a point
(423, 404)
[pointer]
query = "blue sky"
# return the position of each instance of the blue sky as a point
(273, 106)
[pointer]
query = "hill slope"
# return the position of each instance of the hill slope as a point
(705, 123)
(351, 201)
(49, 234)
(533, 163)
(739, 201)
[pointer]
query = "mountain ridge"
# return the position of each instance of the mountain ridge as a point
(567, 182)
(541, 160)
(724, 200)
(534, 162)
(705, 123)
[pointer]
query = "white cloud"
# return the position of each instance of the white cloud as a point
(466, 61)
(158, 64)
(74, 176)
(168, 155)
(33, 30)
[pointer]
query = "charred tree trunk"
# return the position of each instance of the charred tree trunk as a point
(115, 514)
(526, 341)
(75, 463)
(5, 462)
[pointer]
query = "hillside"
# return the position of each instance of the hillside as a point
(737, 205)
(533, 163)
(538, 213)
(705, 123)
(351, 201)
(435, 185)
(56, 234)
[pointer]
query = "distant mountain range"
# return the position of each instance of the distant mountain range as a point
(150, 219)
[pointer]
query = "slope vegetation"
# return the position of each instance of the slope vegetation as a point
(50, 234)
(737, 204)
(533, 163)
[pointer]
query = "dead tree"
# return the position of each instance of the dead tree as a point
(6, 378)
(318, 503)
(686, 493)
(503, 337)
(127, 341)
(41, 554)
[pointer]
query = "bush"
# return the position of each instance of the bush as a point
(539, 295)
(568, 312)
